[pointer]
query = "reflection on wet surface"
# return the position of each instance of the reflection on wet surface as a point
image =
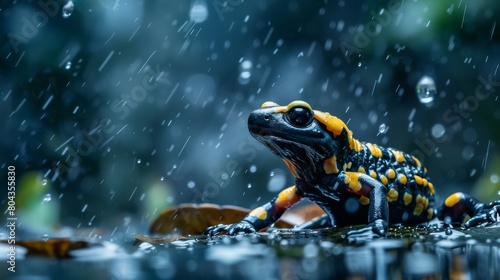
(410, 253)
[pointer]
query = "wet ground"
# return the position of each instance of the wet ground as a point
(409, 253)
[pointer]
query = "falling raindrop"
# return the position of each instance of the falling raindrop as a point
(383, 128)
(245, 72)
(191, 184)
(47, 198)
(426, 90)
(68, 65)
(438, 130)
(44, 182)
(277, 180)
(244, 78)
(68, 9)
(253, 168)
(198, 12)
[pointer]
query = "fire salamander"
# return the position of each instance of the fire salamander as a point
(353, 182)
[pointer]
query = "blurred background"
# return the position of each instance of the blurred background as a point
(113, 110)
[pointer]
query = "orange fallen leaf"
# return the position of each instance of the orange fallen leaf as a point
(195, 218)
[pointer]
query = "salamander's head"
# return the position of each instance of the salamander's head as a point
(309, 141)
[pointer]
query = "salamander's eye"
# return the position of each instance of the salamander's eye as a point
(299, 116)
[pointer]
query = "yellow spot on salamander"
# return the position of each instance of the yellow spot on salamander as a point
(453, 199)
(384, 180)
(407, 198)
(392, 195)
(390, 173)
(330, 165)
(431, 188)
(373, 174)
(287, 198)
(259, 212)
(374, 150)
(361, 169)
(417, 162)
(418, 179)
(357, 146)
(269, 104)
(402, 179)
(398, 155)
(363, 200)
(352, 180)
(284, 109)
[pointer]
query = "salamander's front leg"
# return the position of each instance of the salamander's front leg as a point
(378, 211)
(458, 205)
(261, 217)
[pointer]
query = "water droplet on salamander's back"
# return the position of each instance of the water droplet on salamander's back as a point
(426, 90)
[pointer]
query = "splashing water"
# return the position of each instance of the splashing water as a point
(47, 197)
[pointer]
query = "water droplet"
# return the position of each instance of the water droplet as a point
(310, 250)
(244, 78)
(84, 207)
(45, 237)
(249, 185)
(47, 198)
(139, 161)
(426, 90)
(383, 128)
(191, 184)
(162, 178)
(198, 12)
(494, 179)
(468, 152)
(68, 9)
(253, 168)
(246, 65)
(438, 130)
(68, 65)
(44, 182)
(277, 180)
(448, 231)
